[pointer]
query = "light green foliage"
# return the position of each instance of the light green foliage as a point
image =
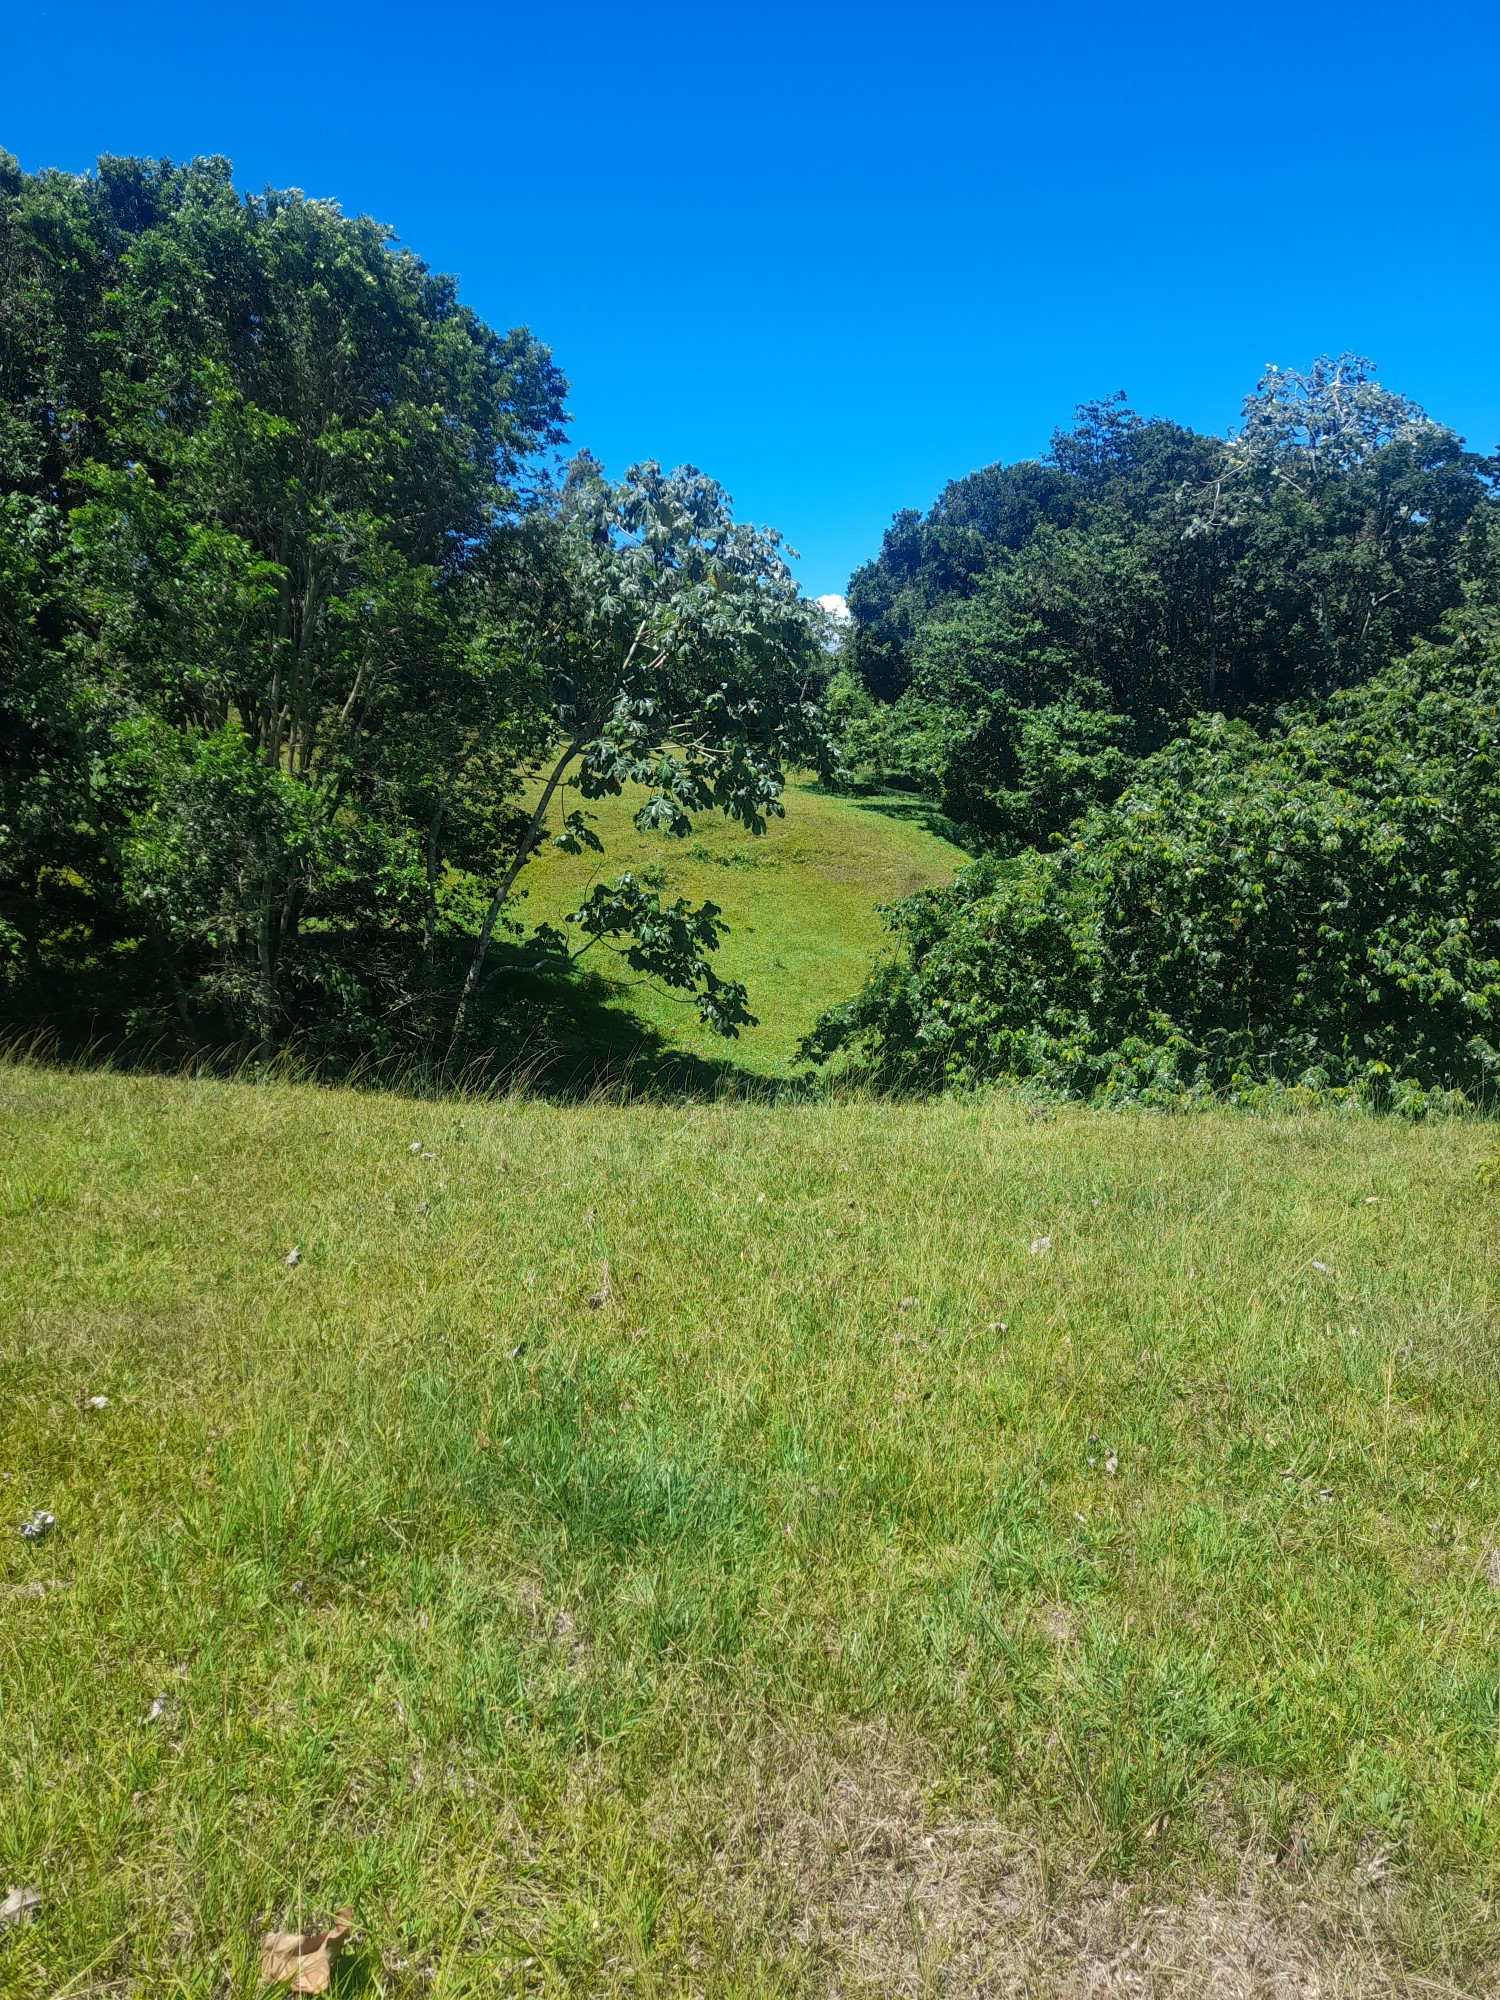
(928, 1491)
(677, 658)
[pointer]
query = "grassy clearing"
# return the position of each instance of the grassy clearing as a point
(801, 901)
(774, 1624)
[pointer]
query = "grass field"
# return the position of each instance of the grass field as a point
(801, 901)
(732, 1549)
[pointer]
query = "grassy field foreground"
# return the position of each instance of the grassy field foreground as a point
(738, 1550)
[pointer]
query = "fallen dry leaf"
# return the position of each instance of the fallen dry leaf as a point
(17, 1905)
(302, 1961)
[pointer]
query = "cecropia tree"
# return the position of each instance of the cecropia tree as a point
(678, 656)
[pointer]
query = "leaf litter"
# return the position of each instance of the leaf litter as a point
(303, 1961)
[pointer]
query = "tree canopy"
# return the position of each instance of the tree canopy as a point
(1045, 624)
(296, 617)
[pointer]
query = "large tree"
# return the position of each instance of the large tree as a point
(1145, 574)
(300, 636)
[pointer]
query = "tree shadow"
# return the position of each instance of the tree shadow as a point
(910, 807)
(562, 1033)
(542, 1028)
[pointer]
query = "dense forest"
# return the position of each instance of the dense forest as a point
(308, 638)
(311, 635)
(1220, 715)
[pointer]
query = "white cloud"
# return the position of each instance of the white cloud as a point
(836, 608)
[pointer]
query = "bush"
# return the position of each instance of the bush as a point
(1320, 907)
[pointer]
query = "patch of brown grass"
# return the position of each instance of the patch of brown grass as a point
(842, 1854)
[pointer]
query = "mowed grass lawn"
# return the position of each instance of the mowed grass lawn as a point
(801, 901)
(736, 1549)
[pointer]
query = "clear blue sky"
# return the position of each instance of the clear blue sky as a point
(837, 255)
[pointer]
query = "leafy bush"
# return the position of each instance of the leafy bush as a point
(1318, 906)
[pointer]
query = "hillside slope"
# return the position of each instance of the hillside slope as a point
(801, 901)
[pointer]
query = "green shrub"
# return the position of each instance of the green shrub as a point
(1317, 907)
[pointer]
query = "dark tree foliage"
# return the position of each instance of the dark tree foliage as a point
(1319, 905)
(1145, 574)
(290, 614)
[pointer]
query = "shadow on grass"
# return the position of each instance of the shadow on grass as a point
(911, 808)
(566, 1034)
(543, 1030)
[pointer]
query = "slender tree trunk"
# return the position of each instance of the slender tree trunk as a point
(429, 913)
(497, 902)
(1213, 655)
(265, 993)
(581, 735)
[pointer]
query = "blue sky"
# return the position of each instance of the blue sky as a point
(837, 255)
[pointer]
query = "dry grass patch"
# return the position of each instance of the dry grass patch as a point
(854, 1862)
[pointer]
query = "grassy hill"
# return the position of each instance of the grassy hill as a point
(729, 1549)
(801, 902)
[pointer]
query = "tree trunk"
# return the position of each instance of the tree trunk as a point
(497, 901)
(429, 913)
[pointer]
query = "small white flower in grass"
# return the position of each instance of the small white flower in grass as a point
(760, 1200)
(1040, 1245)
(98, 1402)
(293, 1258)
(37, 1525)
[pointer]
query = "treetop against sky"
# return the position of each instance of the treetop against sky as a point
(839, 259)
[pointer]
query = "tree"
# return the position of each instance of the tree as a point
(1146, 573)
(1320, 906)
(269, 445)
(678, 656)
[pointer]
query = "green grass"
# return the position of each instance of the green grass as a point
(774, 1625)
(801, 902)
